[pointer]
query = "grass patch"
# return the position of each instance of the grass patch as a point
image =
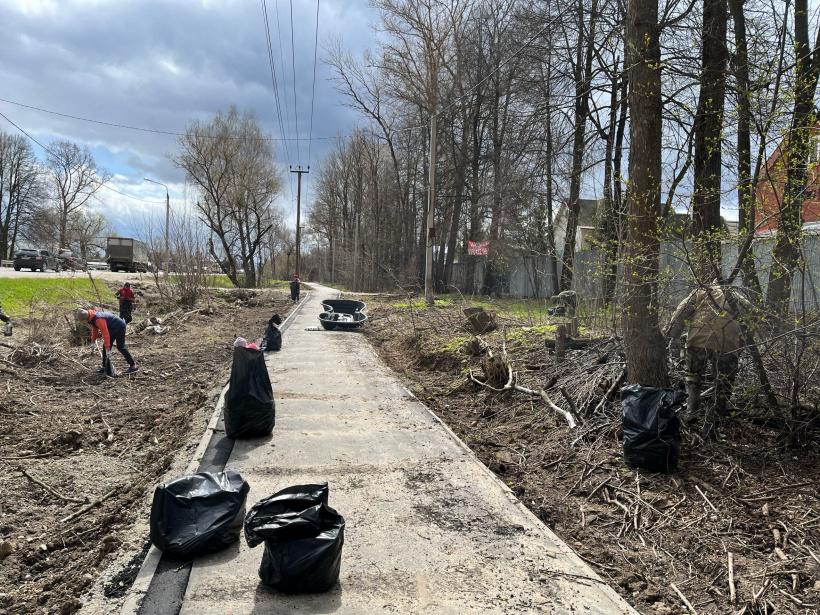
(220, 280)
(531, 334)
(17, 294)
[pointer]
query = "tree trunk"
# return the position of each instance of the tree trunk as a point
(645, 352)
(707, 158)
(745, 184)
(608, 219)
(583, 80)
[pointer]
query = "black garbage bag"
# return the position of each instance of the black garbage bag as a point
(651, 427)
(198, 514)
(303, 539)
(249, 407)
(273, 338)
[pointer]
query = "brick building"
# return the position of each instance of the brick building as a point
(770, 187)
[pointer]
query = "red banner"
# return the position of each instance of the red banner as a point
(478, 248)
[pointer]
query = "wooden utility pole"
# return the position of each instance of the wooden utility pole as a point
(299, 172)
(429, 289)
(356, 253)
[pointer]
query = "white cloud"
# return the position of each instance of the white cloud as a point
(159, 64)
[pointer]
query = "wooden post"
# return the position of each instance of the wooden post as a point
(560, 343)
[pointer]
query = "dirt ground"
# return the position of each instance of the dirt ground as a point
(70, 437)
(661, 540)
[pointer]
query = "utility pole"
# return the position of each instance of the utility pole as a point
(299, 172)
(431, 206)
(356, 253)
(167, 220)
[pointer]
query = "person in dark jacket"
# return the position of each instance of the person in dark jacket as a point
(294, 288)
(111, 328)
(126, 298)
(7, 321)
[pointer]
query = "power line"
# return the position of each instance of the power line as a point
(313, 88)
(50, 151)
(275, 83)
(282, 64)
(293, 65)
(273, 76)
(149, 130)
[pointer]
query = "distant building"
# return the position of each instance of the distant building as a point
(678, 225)
(770, 186)
(587, 224)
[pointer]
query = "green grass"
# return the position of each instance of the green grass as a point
(528, 310)
(220, 280)
(18, 294)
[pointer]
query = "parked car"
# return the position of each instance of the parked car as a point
(97, 266)
(36, 259)
(67, 260)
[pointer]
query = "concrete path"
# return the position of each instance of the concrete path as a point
(429, 528)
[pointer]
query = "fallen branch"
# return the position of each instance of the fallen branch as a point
(572, 408)
(50, 489)
(732, 589)
(85, 509)
(557, 409)
(703, 495)
(611, 391)
(511, 385)
(683, 598)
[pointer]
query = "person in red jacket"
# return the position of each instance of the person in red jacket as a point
(126, 297)
(111, 329)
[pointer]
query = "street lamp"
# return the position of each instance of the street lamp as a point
(167, 216)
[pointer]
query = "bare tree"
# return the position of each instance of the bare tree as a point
(75, 178)
(21, 189)
(230, 162)
(708, 127)
(86, 228)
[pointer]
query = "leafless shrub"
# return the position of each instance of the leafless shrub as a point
(181, 275)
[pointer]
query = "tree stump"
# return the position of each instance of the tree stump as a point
(496, 370)
(560, 343)
(479, 320)
(475, 347)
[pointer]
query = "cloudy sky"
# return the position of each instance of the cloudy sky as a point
(160, 63)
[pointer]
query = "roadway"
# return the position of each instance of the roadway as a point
(108, 276)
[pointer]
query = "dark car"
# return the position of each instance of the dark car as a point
(35, 259)
(67, 260)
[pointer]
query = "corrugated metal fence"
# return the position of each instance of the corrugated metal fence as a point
(529, 277)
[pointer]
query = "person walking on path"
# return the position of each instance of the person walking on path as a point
(7, 321)
(126, 298)
(713, 336)
(111, 328)
(294, 288)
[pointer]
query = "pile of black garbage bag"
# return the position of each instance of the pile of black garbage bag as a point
(303, 539)
(198, 514)
(250, 411)
(203, 513)
(272, 341)
(651, 427)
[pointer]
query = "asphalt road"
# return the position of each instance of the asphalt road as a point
(429, 528)
(8, 272)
